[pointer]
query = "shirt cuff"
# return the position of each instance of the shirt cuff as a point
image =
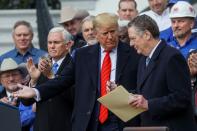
(32, 85)
(37, 97)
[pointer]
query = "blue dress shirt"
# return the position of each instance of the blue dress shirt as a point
(19, 58)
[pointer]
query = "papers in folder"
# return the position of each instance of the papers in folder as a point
(117, 102)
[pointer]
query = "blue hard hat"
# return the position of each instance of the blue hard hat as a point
(172, 1)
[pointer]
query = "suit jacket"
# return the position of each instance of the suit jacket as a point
(78, 41)
(165, 83)
(84, 72)
(3, 93)
(55, 113)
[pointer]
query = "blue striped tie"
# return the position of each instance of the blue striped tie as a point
(147, 61)
(55, 68)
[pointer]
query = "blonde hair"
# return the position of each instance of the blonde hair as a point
(105, 20)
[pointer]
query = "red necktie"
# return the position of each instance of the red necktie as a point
(105, 76)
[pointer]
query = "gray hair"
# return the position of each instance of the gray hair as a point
(66, 35)
(24, 23)
(88, 18)
(144, 22)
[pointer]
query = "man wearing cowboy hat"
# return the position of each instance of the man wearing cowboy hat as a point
(71, 20)
(10, 74)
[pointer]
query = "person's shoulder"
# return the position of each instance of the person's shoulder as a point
(170, 51)
(167, 34)
(87, 48)
(127, 46)
(129, 50)
(38, 51)
(194, 37)
(148, 12)
(8, 54)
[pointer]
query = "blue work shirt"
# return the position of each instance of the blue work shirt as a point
(19, 58)
(167, 35)
(194, 30)
(191, 44)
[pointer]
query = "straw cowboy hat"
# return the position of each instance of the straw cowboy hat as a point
(9, 64)
(69, 13)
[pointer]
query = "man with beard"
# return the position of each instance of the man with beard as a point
(88, 31)
(182, 17)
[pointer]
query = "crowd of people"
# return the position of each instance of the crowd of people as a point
(152, 54)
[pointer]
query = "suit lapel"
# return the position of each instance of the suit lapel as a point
(93, 61)
(66, 61)
(152, 64)
(147, 71)
(122, 58)
(3, 94)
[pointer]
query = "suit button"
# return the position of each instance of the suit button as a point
(89, 112)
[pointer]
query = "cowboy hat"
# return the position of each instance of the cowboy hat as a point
(68, 14)
(9, 64)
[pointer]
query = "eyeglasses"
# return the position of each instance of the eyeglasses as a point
(55, 42)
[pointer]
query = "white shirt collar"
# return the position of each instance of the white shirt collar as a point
(153, 50)
(8, 93)
(59, 62)
(113, 50)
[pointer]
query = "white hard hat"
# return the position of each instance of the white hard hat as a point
(182, 9)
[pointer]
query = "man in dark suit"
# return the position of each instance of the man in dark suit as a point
(163, 82)
(53, 114)
(84, 72)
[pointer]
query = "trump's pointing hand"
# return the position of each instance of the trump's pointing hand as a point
(24, 92)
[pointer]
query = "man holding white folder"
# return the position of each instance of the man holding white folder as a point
(163, 82)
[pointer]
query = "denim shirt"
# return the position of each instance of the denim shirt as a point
(19, 58)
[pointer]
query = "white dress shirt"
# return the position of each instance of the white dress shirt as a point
(59, 62)
(113, 57)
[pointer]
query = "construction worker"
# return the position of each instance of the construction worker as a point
(182, 17)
